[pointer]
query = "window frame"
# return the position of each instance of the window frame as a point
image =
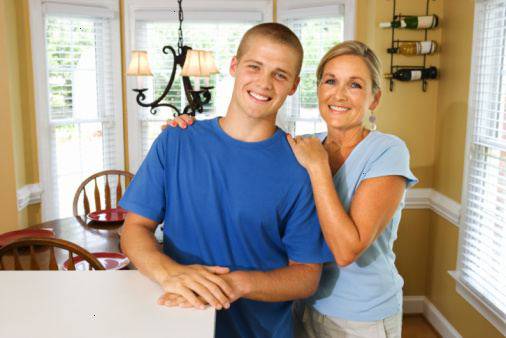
(39, 63)
(308, 9)
(226, 9)
(474, 299)
(311, 9)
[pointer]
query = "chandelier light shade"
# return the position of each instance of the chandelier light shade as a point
(197, 63)
(210, 63)
(139, 65)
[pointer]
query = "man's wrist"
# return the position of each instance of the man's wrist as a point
(242, 283)
(166, 269)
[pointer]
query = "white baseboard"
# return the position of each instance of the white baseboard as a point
(413, 304)
(439, 322)
(29, 194)
(421, 305)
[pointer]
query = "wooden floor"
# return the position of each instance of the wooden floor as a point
(416, 326)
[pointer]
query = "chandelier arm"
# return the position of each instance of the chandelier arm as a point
(192, 96)
(141, 97)
(188, 111)
(140, 92)
(153, 109)
(207, 96)
(172, 74)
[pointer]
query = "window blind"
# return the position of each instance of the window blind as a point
(81, 105)
(220, 37)
(318, 33)
(482, 257)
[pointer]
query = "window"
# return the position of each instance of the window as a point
(482, 257)
(206, 26)
(79, 100)
(319, 28)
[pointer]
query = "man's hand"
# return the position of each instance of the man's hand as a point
(236, 280)
(295, 281)
(199, 286)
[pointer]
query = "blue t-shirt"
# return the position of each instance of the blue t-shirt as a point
(369, 289)
(243, 205)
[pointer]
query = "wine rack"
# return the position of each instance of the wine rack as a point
(395, 43)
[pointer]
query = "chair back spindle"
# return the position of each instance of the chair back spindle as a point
(107, 186)
(71, 264)
(17, 263)
(107, 193)
(53, 265)
(119, 191)
(86, 202)
(33, 259)
(97, 197)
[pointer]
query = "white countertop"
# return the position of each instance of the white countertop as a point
(94, 304)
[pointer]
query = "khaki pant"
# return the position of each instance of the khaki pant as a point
(309, 323)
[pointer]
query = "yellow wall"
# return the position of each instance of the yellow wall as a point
(8, 204)
(19, 84)
(412, 250)
(12, 51)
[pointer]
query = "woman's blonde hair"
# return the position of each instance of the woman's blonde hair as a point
(353, 47)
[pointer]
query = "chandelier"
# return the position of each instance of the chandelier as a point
(197, 63)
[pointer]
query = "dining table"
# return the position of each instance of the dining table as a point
(93, 236)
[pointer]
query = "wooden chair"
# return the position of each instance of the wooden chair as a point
(111, 182)
(33, 244)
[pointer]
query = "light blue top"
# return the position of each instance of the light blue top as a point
(370, 288)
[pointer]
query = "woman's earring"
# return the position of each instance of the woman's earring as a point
(372, 121)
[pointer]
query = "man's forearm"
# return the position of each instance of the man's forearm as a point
(295, 281)
(189, 281)
(140, 245)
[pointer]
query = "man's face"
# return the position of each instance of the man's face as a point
(264, 76)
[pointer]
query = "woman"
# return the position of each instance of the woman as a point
(359, 178)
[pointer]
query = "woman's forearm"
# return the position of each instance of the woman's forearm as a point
(340, 232)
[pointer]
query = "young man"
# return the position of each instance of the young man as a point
(241, 232)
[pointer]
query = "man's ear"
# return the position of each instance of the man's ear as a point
(376, 100)
(233, 66)
(295, 85)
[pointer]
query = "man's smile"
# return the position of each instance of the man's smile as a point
(259, 97)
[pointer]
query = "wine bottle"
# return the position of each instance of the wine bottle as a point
(412, 22)
(413, 74)
(414, 48)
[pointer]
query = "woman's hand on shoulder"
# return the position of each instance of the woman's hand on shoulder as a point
(309, 151)
(181, 121)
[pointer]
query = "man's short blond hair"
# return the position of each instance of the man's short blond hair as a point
(276, 32)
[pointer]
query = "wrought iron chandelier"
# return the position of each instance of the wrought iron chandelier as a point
(196, 63)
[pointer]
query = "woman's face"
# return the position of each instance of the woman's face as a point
(345, 92)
